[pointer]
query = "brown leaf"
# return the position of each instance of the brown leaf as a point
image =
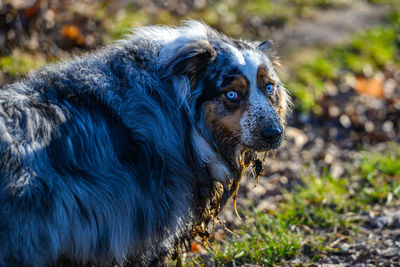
(371, 87)
(195, 248)
(72, 32)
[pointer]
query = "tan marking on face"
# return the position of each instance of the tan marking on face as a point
(281, 111)
(210, 113)
(230, 124)
(263, 78)
(239, 84)
(222, 126)
(284, 104)
(223, 115)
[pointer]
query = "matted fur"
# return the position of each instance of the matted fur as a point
(108, 158)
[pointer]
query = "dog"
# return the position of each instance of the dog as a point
(118, 156)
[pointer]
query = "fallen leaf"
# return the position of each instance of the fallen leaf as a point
(371, 87)
(195, 248)
(72, 33)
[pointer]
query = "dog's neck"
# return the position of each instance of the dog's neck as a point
(223, 162)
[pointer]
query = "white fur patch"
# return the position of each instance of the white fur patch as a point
(238, 56)
(177, 37)
(203, 149)
(258, 103)
(209, 157)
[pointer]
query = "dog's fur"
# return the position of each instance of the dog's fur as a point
(111, 158)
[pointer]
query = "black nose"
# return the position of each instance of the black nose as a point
(271, 135)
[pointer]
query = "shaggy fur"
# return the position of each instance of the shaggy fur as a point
(110, 158)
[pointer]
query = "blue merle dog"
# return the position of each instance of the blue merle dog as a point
(113, 158)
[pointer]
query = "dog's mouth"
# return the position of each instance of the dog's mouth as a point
(252, 156)
(262, 146)
(265, 147)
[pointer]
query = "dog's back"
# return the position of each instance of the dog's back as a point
(75, 181)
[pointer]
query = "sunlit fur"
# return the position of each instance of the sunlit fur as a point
(110, 158)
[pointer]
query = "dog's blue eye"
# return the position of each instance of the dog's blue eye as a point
(270, 88)
(232, 95)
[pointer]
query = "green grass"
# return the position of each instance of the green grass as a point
(123, 22)
(319, 204)
(322, 202)
(380, 177)
(265, 241)
(19, 63)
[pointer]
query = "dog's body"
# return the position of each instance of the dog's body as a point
(113, 157)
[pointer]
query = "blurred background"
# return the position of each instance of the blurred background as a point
(331, 194)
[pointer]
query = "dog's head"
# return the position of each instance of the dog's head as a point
(235, 94)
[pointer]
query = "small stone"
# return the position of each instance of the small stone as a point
(334, 111)
(389, 252)
(389, 88)
(299, 137)
(331, 89)
(199, 4)
(369, 126)
(345, 121)
(337, 170)
(368, 70)
(283, 180)
(259, 190)
(344, 247)
(328, 159)
(387, 126)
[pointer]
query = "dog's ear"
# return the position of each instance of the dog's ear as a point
(266, 48)
(187, 58)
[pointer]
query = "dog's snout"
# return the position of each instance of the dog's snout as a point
(271, 135)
